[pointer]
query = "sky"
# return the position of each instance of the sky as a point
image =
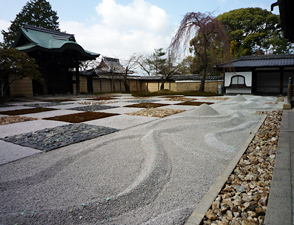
(121, 28)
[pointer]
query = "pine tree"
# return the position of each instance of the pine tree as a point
(36, 12)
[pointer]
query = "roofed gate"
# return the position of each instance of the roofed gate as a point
(56, 54)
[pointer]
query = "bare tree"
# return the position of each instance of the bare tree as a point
(207, 38)
(129, 65)
(142, 61)
(168, 69)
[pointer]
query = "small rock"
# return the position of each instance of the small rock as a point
(240, 188)
(260, 211)
(238, 201)
(210, 215)
(229, 215)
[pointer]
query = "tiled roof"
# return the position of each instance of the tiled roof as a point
(31, 38)
(110, 65)
(189, 77)
(260, 61)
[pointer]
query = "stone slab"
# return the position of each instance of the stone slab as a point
(122, 121)
(10, 152)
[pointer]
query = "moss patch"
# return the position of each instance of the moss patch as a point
(81, 117)
(26, 111)
(146, 105)
(172, 96)
(172, 93)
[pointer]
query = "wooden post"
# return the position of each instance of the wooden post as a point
(77, 80)
(290, 89)
(281, 79)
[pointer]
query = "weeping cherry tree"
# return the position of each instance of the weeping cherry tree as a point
(205, 35)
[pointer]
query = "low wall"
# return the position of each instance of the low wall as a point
(104, 85)
(24, 87)
(210, 86)
(21, 88)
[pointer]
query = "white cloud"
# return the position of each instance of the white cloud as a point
(123, 30)
(4, 25)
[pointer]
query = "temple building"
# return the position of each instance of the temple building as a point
(57, 55)
(258, 74)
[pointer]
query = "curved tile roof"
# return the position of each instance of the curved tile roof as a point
(260, 61)
(31, 38)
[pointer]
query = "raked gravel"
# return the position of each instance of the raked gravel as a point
(155, 173)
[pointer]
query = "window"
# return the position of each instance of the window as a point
(238, 81)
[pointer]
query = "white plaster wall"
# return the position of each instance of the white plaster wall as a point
(238, 91)
(247, 75)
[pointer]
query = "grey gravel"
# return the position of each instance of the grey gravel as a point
(5, 105)
(93, 108)
(47, 104)
(142, 101)
(52, 138)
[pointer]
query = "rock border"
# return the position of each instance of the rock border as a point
(222, 204)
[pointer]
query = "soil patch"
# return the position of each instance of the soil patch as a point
(194, 103)
(26, 111)
(81, 117)
(59, 100)
(146, 105)
(99, 98)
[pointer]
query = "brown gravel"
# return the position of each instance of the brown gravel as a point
(243, 199)
(154, 112)
(215, 98)
(178, 98)
(14, 119)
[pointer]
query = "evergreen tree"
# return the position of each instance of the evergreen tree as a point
(15, 65)
(36, 12)
(157, 61)
(254, 30)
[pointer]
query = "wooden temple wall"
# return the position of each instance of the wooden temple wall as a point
(21, 88)
(104, 86)
(83, 85)
(210, 86)
(24, 87)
